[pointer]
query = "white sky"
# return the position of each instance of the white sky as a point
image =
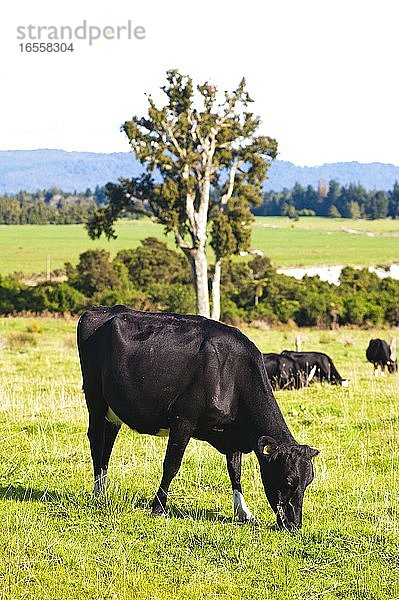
(323, 73)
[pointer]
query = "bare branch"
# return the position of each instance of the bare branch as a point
(226, 196)
(181, 151)
(180, 241)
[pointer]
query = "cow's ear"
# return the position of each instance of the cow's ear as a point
(311, 452)
(267, 445)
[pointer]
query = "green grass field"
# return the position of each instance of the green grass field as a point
(57, 542)
(308, 242)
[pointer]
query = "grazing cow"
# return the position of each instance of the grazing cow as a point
(284, 372)
(191, 377)
(325, 368)
(382, 355)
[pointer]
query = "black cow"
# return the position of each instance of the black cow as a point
(284, 372)
(193, 377)
(382, 355)
(325, 368)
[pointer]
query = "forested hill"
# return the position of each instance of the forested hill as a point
(372, 176)
(42, 169)
(32, 170)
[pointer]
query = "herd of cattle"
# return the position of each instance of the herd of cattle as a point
(191, 377)
(293, 370)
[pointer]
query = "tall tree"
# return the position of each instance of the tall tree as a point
(330, 198)
(204, 162)
(394, 201)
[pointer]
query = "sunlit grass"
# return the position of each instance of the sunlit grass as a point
(307, 242)
(58, 542)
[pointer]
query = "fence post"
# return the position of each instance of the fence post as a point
(298, 343)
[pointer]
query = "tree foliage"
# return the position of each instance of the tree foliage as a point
(153, 262)
(352, 202)
(204, 161)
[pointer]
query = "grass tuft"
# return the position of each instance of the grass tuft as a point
(21, 341)
(35, 327)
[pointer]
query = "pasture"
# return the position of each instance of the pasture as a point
(310, 241)
(58, 542)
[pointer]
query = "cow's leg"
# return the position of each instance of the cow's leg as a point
(111, 431)
(241, 510)
(96, 435)
(179, 436)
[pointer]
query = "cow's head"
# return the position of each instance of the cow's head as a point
(392, 366)
(286, 472)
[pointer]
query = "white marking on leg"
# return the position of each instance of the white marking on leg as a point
(345, 383)
(241, 510)
(311, 374)
(375, 372)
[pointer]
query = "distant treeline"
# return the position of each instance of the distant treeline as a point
(328, 200)
(157, 278)
(331, 200)
(50, 206)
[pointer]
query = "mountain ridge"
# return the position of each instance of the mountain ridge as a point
(44, 168)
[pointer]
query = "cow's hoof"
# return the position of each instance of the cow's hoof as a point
(157, 514)
(99, 490)
(248, 521)
(100, 484)
(158, 511)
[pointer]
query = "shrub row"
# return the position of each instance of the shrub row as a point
(154, 277)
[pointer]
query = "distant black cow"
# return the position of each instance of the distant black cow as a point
(382, 355)
(191, 377)
(325, 368)
(284, 372)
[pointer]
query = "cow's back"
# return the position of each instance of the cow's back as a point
(377, 350)
(142, 364)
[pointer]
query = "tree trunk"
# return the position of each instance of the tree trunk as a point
(216, 290)
(199, 265)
